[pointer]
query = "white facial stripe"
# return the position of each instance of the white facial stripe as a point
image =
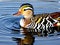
(28, 8)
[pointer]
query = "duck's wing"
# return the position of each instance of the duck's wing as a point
(53, 15)
(40, 21)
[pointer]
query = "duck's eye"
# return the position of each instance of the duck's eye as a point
(24, 9)
(27, 9)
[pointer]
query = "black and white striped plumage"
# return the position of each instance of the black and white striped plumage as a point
(42, 24)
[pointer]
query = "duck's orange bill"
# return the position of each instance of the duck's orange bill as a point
(17, 14)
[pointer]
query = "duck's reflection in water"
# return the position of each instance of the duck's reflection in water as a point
(28, 39)
(25, 41)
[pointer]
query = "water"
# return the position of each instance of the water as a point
(8, 22)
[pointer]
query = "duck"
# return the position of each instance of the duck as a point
(29, 19)
(27, 11)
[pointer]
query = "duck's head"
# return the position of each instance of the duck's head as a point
(26, 10)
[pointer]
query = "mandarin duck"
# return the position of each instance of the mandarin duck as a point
(40, 23)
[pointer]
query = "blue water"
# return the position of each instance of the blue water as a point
(8, 22)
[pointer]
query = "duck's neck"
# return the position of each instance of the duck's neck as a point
(27, 20)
